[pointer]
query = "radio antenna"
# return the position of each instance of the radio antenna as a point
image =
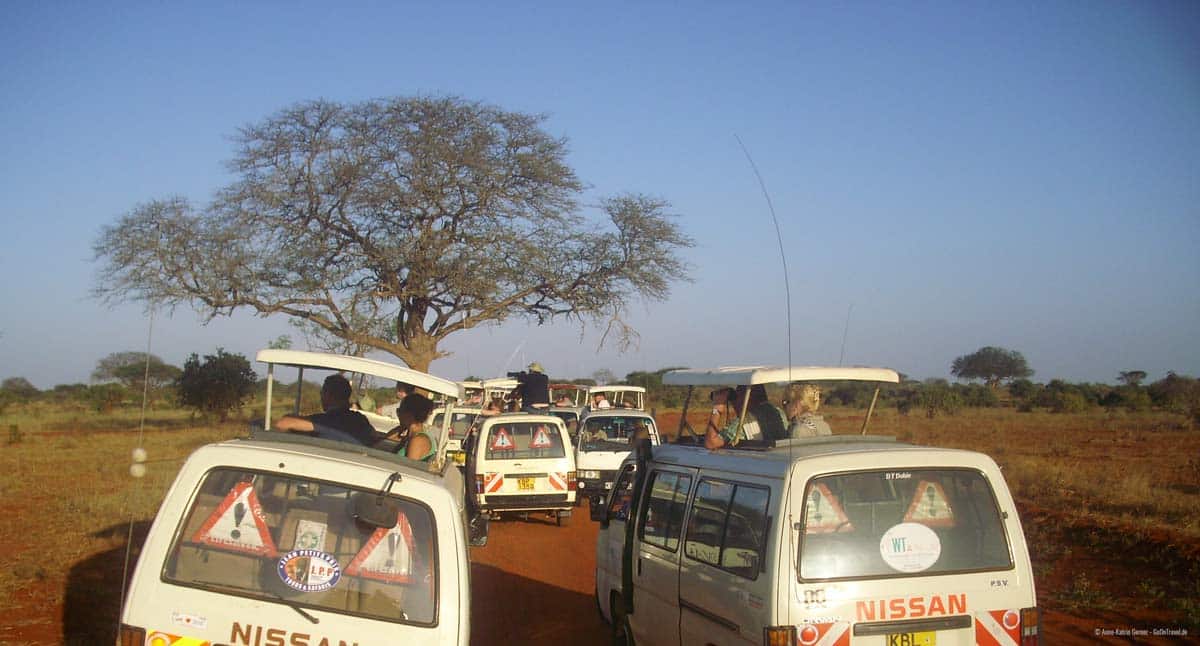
(782, 256)
(845, 331)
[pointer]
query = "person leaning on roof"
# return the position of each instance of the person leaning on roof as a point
(338, 422)
(763, 419)
(803, 402)
(600, 402)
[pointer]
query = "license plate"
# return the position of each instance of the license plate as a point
(525, 484)
(460, 458)
(928, 638)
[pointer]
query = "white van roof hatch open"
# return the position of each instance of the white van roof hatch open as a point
(752, 375)
(301, 359)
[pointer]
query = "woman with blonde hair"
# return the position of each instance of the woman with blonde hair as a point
(803, 402)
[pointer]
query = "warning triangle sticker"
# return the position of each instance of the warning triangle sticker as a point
(824, 514)
(502, 441)
(238, 524)
(541, 439)
(388, 555)
(930, 506)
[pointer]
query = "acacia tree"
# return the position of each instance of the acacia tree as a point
(392, 224)
(991, 364)
(131, 368)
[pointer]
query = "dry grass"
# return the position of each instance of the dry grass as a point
(67, 496)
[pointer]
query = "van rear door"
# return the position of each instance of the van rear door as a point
(920, 555)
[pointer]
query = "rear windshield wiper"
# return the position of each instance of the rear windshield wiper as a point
(291, 604)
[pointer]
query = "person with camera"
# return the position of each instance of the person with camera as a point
(533, 389)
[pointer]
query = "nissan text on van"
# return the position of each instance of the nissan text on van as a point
(833, 540)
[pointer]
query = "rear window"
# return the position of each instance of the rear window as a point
(523, 440)
(901, 523)
(607, 433)
(294, 539)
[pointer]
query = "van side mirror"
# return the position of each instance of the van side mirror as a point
(598, 510)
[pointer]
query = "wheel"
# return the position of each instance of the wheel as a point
(599, 609)
(621, 636)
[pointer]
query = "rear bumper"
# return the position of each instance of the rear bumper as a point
(526, 502)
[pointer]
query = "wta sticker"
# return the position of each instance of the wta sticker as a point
(910, 547)
(309, 570)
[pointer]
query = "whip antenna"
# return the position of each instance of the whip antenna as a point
(845, 331)
(137, 469)
(782, 256)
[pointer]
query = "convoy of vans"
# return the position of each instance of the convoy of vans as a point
(835, 540)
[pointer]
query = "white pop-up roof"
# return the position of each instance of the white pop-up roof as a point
(373, 367)
(750, 375)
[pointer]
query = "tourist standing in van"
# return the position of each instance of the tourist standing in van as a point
(418, 443)
(337, 422)
(803, 402)
(763, 420)
(533, 389)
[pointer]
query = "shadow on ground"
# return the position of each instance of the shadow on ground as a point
(510, 609)
(92, 604)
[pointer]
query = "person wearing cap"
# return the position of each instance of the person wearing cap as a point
(337, 422)
(533, 389)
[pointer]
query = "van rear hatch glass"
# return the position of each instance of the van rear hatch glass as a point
(900, 523)
(310, 544)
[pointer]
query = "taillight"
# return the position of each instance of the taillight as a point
(779, 636)
(478, 483)
(131, 636)
(570, 480)
(1029, 627)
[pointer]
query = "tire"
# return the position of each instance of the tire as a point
(599, 610)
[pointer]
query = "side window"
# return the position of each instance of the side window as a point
(728, 526)
(622, 495)
(663, 518)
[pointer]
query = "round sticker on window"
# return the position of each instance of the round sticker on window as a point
(910, 547)
(309, 570)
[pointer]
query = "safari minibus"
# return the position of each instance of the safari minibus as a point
(291, 539)
(522, 463)
(847, 539)
(604, 440)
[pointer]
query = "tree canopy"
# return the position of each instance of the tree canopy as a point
(991, 364)
(391, 224)
(130, 368)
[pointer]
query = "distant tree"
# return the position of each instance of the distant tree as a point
(1022, 389)
(1178, 394)
(1132, 377)
(103, 398)
(19, 388)
(131, 368)
(604, 376)
(217, 385)
(991, 364)
(394, 223)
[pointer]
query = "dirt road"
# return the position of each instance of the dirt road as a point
(533, 584)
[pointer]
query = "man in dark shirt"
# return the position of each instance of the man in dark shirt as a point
(533, 389)
(338, 422)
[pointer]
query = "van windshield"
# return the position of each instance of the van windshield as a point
(524, 440)
(294, 539)
(900, 523)
(605, 433)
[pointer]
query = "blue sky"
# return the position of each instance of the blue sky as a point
(946, 175)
